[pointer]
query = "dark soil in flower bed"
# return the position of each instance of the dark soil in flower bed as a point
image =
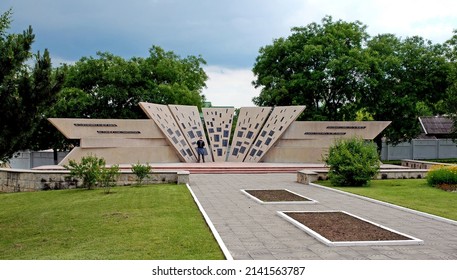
(276, 195)
(339, 226)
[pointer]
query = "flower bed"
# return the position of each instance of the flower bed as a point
(443, 177)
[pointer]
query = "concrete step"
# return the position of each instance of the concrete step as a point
(240, 171)
(205, 169)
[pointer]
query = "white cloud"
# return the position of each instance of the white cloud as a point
(230, 87)
(59, 61)
(434, 20)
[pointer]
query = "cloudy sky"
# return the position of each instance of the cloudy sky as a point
(227, 34)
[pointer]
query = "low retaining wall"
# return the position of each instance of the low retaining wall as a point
(18, 180)
(402, 174)
(309, 176)
(421, 164)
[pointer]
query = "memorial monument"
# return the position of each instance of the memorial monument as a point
(262, 134)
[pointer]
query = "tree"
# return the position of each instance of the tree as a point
(339, 73)
(25, 92)
(403, 80)
(318, 66)
(110, 86)
(450, 101)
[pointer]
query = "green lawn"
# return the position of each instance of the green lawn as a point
(131, 223)
(411, 193)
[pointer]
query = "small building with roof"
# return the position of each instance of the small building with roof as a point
(436, 127)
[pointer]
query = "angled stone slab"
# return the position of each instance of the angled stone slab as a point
(189, 121)
(164, 119)
(250, 122)
(279, 120)
(218, 126)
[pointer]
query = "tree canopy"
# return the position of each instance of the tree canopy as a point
(404, 79)
(25, 91)
(318, 66)
(449, 103)
(339, 73)
(109, 86)
(105, 86)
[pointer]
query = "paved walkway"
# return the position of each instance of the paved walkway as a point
(251, 230)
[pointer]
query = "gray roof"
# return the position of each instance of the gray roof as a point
(437, 125)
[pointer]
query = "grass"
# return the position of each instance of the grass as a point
(411, 193)
(131, 223)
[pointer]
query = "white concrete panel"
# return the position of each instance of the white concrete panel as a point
(218, 123)
(189, 121)
(250, 122)
(277, 123)
(164, 119)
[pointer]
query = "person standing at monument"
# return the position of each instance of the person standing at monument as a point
(201, 149)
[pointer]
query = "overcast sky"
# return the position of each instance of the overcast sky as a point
(227, 34)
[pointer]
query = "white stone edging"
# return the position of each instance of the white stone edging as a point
(423, 214)
(309, 200)
(210, 224)
(411, 241)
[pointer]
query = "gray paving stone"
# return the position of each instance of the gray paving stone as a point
(254, 231)
(261, 255)
(240, 255)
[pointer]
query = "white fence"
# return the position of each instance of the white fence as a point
(420, 149)
(31, 159)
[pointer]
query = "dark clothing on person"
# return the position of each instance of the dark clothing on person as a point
(201, 149)
(200, 143)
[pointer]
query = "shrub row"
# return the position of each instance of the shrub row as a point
(93, 172)
(443, 177)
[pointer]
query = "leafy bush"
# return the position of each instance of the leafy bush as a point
(141, 171)
(92, 171)
(352, 162)
(108, 177)
(88, 170)
(443, 177)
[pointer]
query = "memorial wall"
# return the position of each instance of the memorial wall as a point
(261, 134)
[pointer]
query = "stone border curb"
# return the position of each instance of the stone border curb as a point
(210, 224)
(412, 240)
(423, 214)
(309, 200)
